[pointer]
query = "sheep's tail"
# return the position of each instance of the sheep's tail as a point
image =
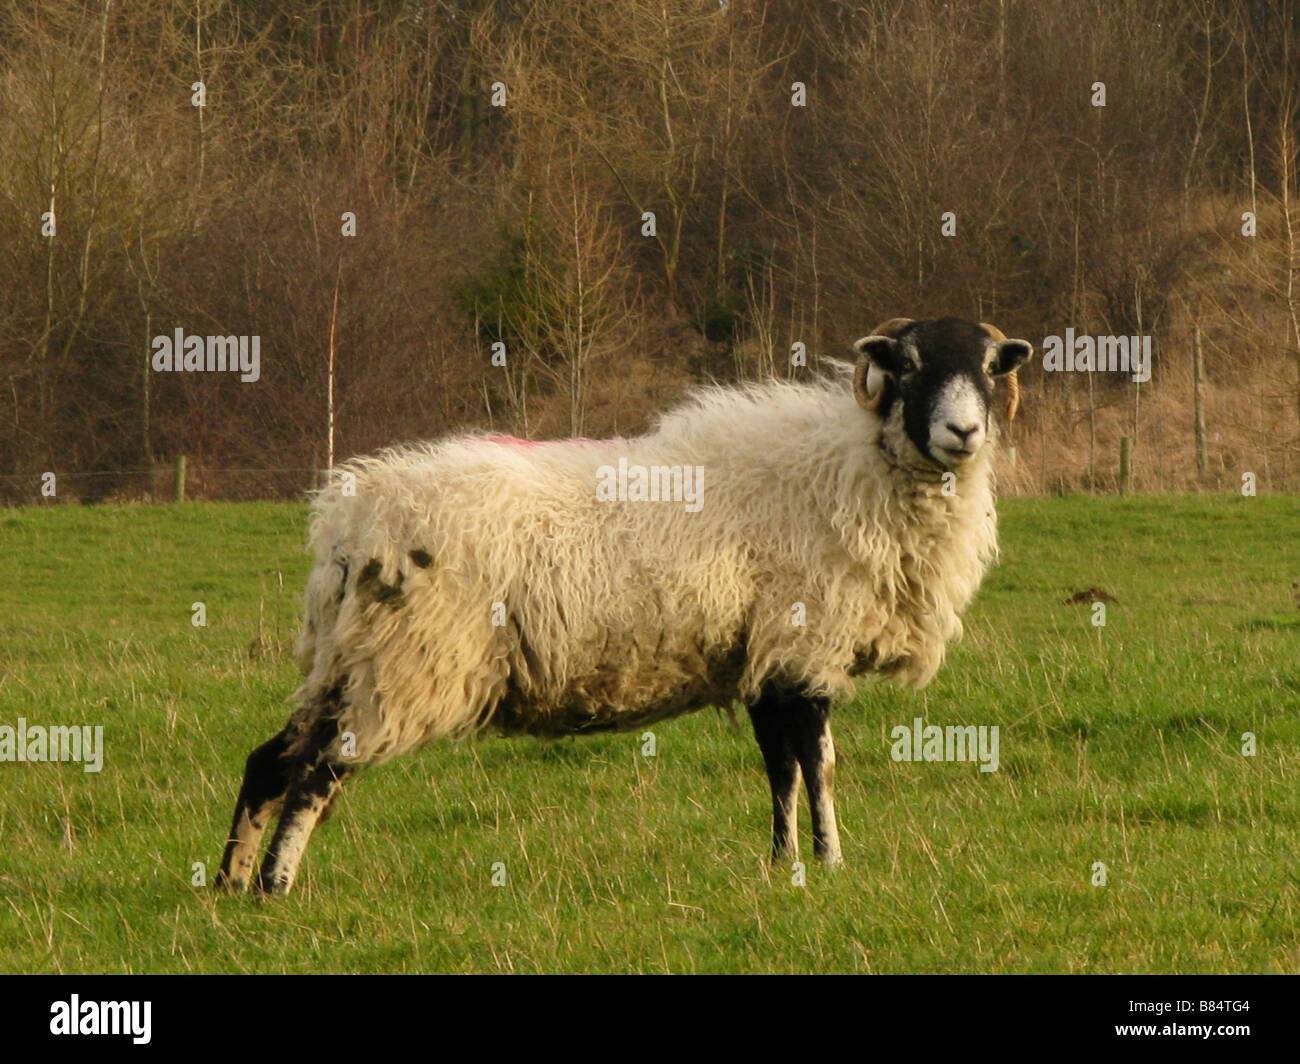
(321, 609)
(318, 697)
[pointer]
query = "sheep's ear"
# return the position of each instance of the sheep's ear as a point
(885, 352)
(1010, 356)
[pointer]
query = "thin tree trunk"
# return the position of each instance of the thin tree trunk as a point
(1200, 118)
(1250, 132)
(1287, 177)
(198, 67)
(329, 400)
(1137, 385)
(1092, 436)
(145, 446)
(43, 382)
(1198, 374)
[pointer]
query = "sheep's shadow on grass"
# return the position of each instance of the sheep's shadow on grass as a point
(1270, 624)
(1194, 722)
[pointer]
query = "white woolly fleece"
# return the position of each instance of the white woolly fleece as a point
(623, 613)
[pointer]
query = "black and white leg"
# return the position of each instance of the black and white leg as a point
(793, 731)
(307, 799)
(810, 730)
(772, 733)
(266, 778)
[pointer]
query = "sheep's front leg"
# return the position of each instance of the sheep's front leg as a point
(810, 731)
(773, 735)
(307, 800)
(266, 778)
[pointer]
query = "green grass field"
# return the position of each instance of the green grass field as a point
(1120, 745)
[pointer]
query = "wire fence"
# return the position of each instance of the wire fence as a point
(1019, 473)
(170, 482)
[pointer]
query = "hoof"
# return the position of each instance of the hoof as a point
(225, 883)
(276, 886)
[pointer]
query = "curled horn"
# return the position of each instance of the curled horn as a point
(1013, 382)
(868, 380)
(894, 326)
(1013, 396)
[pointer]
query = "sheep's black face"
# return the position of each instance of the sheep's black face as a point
(941, 371)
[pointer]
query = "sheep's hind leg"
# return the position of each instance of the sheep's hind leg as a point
(774, 740)
(809, 723)
(309, 797)
(266, 778)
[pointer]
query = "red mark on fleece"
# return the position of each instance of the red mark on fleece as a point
(515, 441)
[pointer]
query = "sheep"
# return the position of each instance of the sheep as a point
(841, 526)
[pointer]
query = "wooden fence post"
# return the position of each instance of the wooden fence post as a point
(1198, 373)
(179, 495)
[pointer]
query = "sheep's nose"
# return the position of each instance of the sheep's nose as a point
(962, 434)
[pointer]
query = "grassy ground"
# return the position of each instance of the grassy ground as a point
(1119, 745)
